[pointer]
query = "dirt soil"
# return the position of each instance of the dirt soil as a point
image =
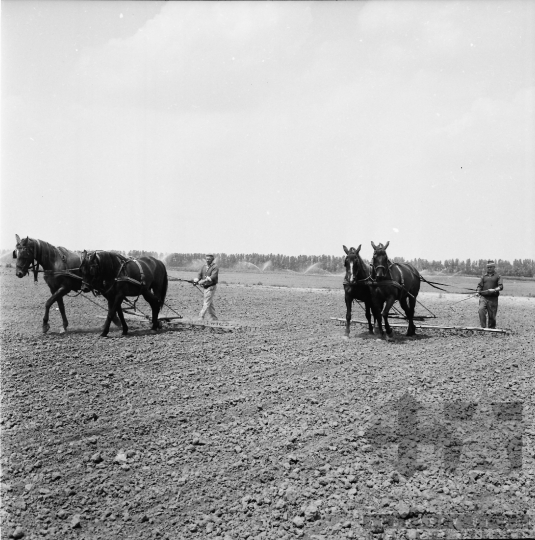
(277, 429)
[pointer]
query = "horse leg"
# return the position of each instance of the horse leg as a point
(62, 291)
(160, 290)
(61, 306)
(388, 304)
(113, 305)
(369, 317)
(376, 307)
(155, 305)
(411, 331)
(122, 319)
(406, 309)
(349, 302)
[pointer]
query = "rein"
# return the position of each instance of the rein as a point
(433, 283)
(402, 286)
(35, 268)
(67, 272)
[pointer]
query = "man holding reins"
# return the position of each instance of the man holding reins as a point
(207, 277)
(489, 288)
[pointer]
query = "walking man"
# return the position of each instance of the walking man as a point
(489, 288)
(207, 277)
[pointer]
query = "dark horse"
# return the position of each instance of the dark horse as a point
(356, 285)
(116, 277)
(393, 281)
(61, 271)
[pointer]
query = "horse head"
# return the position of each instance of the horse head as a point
(380, 263)
(25, 253)
(351, 264)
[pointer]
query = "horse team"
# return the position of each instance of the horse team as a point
(116, 277)
(104, 272)
(379, 285)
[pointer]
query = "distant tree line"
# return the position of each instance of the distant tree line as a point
(519, 267)
(135, 253)
(330, 263)
(333, 264)
(270, 261)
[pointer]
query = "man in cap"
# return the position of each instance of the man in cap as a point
(489, 288)
(207, 277)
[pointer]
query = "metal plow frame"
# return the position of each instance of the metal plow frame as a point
(398, 314)
(427, 326)
(224, 325)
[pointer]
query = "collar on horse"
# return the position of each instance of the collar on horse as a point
(141, 281)
(68, 272)
(389, 271)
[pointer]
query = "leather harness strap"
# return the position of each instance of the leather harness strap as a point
(35, 263)
(142, 275)
(141, 281)
(400, 273)
(391, 281)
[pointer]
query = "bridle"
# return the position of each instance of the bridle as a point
(23, 253)
(93, 268)
(366, 279)
(387, 268)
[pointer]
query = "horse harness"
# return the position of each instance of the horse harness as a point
(68, 272)
(125, 278)
(402, 286)
(390, 281)
(141, 282)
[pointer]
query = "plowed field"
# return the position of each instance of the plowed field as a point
(277, 429)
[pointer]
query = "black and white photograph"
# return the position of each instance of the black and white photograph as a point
(267, 269)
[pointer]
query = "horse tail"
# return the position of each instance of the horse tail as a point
(164, 285)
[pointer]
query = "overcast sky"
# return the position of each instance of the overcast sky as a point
(286, 127)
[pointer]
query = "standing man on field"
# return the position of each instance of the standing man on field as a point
(207, 277)
(489, 288)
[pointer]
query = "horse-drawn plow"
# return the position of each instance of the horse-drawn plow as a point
(382, 284)
(133, 313)
(342, 322)
(179, 320)
(398, 314)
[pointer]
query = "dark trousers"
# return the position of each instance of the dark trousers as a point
(488, 305)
